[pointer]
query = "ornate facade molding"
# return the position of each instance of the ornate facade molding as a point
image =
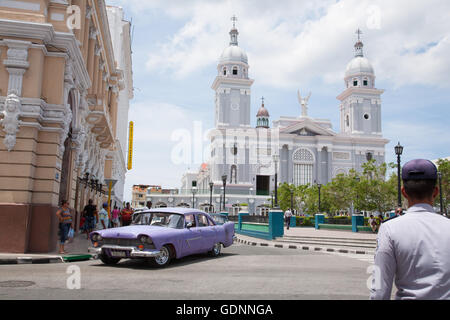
(10, 121)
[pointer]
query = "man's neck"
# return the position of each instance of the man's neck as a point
(412, 203)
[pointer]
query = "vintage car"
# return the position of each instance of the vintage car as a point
(160, 235)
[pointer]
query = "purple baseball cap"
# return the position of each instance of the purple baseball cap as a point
(419, 169)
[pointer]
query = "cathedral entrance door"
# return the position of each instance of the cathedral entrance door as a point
(263, 185)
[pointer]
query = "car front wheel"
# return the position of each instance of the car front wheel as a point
(108, 260)
(215, 252)
(163, 259)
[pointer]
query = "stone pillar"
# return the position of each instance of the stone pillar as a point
(276, 224)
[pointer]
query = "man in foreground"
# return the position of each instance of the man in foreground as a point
(414, 248)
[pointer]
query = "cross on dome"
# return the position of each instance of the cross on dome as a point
(359, 33)
(234, 19)
(359, 45)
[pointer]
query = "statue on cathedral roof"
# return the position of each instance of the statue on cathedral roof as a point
(304, 103)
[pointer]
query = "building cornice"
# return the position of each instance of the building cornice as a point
(46, 33)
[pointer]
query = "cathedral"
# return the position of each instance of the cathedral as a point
(298, 150)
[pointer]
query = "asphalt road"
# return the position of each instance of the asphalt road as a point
(242, 272)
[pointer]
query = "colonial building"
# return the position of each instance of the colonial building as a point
(298, 150)
(61, 113)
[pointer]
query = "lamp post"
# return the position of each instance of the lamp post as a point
(440, 192)
(272, 199)
(358, 179)
(224, 181)
(319, 186)
(211, 186)
(292, 200)
(220, 200)
(276, 159)
(194, 191)
(399, 152)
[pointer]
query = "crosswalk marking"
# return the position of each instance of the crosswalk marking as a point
(369, 258)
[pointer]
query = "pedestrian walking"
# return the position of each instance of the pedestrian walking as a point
(65, 224)
(413, 248)
(115, 217)
(287, 218)
(103, 219)
(126, 215)
(90, 215)
(373, 224)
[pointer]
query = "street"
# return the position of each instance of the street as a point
(242, 272)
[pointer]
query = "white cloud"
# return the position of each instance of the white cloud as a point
(154, 124)
(293, 42)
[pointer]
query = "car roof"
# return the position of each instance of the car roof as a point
(182, 211)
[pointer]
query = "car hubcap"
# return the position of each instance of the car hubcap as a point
(163, 257)
(217, 248)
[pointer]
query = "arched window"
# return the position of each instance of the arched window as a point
(235, 71)
(233, 174)
(303, 167)
(224, 71)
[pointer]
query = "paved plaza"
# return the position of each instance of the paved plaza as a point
(242, 272)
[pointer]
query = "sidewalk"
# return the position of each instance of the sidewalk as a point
(77, 251)
(318, 240)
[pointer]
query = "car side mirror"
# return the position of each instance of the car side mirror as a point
(189, 225)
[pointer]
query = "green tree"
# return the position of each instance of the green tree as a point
(444, 169)
(377, 192)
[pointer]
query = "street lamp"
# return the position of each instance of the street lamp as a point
(211, 186)
(276, 159)
(399, 152)
(440, 192)
(292, 200)
(224, 181)
(358, 179)
(194, 191)
(319, 186)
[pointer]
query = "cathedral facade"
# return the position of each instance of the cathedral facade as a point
(300, 149)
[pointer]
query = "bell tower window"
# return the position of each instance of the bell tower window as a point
(235, 71)
(224, 71)
(355, 83)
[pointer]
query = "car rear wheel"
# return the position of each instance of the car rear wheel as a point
(163, 259)
(109, 260)
(215, 252)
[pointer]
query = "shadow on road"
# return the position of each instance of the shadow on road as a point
(141, 264)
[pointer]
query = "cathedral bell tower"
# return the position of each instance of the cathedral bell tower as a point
(233, 86)
(361, 101)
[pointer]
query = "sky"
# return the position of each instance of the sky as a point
(291, 45)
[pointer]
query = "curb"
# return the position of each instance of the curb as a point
(301, 247)
(31, 260)
(46, 260)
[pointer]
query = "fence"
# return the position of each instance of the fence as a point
(268, 229)
(357, 223)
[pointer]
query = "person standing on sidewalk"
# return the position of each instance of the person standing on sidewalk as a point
(115, 217)
(90, 215)
(413, 249)
(287, 218)
(103, 219)
(126, 215)
(65, 223)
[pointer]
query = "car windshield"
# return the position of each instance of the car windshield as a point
(160, 219)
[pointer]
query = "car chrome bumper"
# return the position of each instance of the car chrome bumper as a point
(132, 252)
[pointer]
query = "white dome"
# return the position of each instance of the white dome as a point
(359, 65)
(234, 54)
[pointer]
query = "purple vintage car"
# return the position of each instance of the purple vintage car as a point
(160, 235)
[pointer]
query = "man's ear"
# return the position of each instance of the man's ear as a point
(404, 193)
(435, 192)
